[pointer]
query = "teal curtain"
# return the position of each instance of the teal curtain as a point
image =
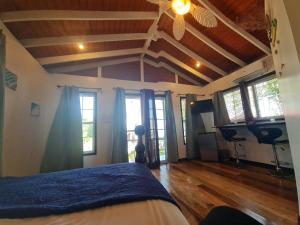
(190, 144)
(64, 149)
(151, 132)
(119, 129)
(171, 139)
(2, 94)
(221, 117)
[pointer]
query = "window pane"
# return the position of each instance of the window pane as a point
(159, 114)
(133, 118)
(234, 105)
(161, 134)
(87, 130)
(88, 102)
(268, 98)
(131, 136)
(133, 112)
(131, 150)
(87, 115)
(162, 150)
(159, 104)
(160, 124)
(88, 144)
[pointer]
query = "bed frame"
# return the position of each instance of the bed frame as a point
(140, 147)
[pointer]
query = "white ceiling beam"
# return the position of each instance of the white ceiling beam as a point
(178, 63)
(209, 42)
(171, 69)
(84, 56)
(190, 53)
(85, 66)
(51, 41)
(37, 15)
(234, 26)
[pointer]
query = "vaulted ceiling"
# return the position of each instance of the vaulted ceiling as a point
(116, 32)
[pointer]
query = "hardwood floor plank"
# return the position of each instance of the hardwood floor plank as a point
(198, 187)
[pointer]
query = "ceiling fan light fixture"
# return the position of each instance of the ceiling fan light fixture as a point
(181, 7)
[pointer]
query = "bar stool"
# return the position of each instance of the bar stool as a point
(268, 135)
(229, 135)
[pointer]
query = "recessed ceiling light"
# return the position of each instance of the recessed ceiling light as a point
(80, 46)
(198, 64)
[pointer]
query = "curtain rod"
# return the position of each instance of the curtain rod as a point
(98, 89)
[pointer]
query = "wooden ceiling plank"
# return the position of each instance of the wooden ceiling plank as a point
(209, 42)
(228, 22)
(65, 40)
(84, 56)
(178, 63)
(85, 66)
(192, 54)
(171, 69)
(38, 15)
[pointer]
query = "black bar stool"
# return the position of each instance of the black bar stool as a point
(268, 135)
(229, 135)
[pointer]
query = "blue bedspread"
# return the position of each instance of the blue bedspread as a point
(80, 189)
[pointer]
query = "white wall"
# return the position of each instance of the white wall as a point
(25, 136)
(288, 64)
(105, 108)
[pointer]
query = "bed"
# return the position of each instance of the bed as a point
(114, 194)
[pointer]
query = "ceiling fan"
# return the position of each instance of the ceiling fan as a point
(181, 7)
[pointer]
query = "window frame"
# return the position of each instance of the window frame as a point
(95, 96)
(183, 122)
(254, 82)
(162, 96)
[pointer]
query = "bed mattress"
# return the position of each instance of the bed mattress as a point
(150, 212)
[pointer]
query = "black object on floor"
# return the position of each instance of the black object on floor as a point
(224, 215)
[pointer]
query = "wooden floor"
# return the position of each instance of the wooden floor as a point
(198, 187)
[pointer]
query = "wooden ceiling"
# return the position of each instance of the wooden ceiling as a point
(126, 31)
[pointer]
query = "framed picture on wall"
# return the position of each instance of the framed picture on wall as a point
(35, 109)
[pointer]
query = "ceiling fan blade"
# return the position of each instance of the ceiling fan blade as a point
(153, 1)
(204, 16)
(178, 27)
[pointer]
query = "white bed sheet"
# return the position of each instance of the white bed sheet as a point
(152, 212)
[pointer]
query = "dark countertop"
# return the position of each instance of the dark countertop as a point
(261, 123)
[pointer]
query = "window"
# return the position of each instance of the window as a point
(133, 118)
(88, 115)
(161, 126)
(234, 106)
(183, 117)
(264, 98)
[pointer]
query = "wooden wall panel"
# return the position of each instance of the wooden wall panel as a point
(125, 71)
(187, 73)
(39, 29)
(47, 51)
(101, 5)
(234, 9)
(153, 74)
(199, 47)
(85, 61)
(86, 73)
(183, 81)
(161, 44)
